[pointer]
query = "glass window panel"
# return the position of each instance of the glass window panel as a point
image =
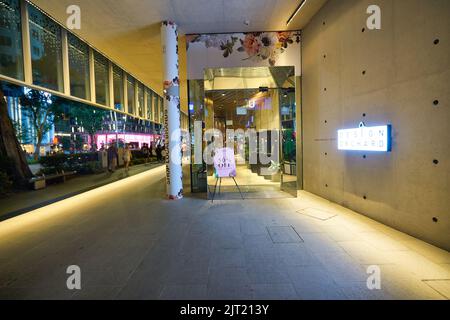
(149, 105)
(11, 54)
(130, 92)
(101, 79)
(46, 50)
(141, 99)
(118, 88)
(156, 108)
(78, 67)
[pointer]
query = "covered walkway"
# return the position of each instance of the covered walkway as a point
(132, 244)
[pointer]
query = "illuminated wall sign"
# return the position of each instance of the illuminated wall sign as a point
(365, 138)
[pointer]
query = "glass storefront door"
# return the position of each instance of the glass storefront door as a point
(288, 151)
(252, 112)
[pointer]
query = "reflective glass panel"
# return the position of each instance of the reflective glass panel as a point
(78, 67)
(156, 108)
(101, 79)
(118, 88)
(130, 92)
(46, 50)
(149, 105)
(141, 99)
(11, 54)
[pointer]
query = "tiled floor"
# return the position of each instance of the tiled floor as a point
(252, 186)
(132, 244)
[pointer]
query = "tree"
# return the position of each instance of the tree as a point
(10, 147)
(89, 119)
(41, 109)
(23, 134)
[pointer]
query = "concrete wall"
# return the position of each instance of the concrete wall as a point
(405, 72)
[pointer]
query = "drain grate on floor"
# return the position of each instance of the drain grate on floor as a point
(283, 234)
(317, 213)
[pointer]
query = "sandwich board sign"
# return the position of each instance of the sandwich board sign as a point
(224, 163)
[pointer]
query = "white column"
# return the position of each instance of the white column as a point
(174, 173)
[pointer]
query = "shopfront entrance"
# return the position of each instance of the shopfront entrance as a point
(251, 112)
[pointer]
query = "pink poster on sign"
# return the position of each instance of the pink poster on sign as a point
(224, 163)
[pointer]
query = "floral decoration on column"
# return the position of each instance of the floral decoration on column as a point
(172, 116)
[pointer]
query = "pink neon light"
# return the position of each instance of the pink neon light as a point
(106, 139)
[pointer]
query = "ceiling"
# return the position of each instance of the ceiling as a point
(225, 103)
(127, 31)
(248, 77)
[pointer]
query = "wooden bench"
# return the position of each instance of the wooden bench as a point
(41, 181)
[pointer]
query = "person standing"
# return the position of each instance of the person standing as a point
(158, 152)
(112, 157)
(150, 151)
(127, 157)
(145, 152)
